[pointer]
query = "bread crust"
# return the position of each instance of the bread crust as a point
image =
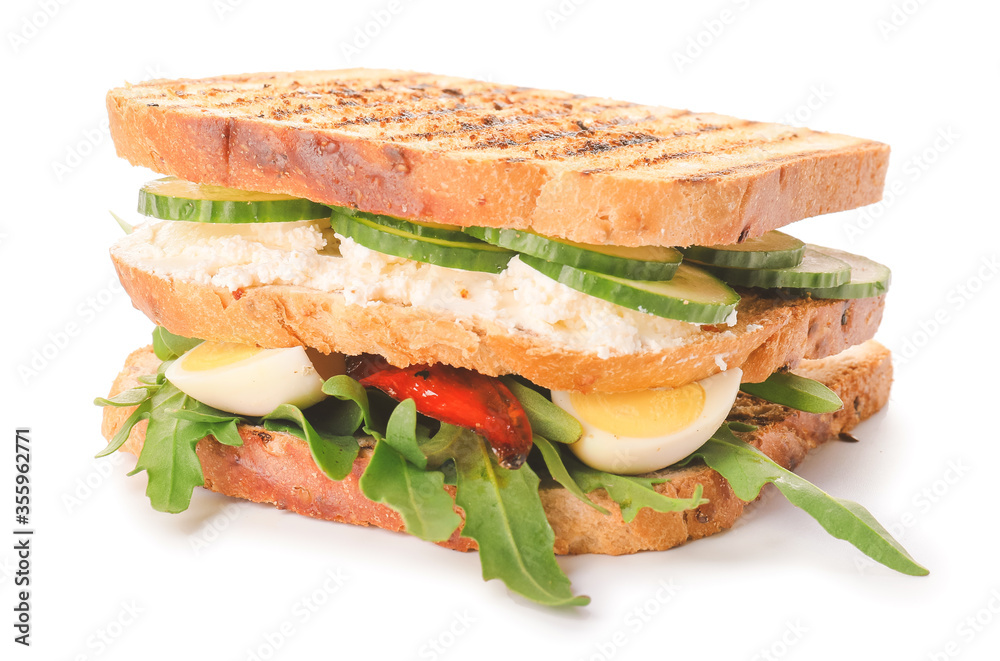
(771, 333)
(466, 152)
(276, 468)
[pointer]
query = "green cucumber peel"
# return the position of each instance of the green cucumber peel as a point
(868, 277)
(635, 263)
(546, 419)
(334, 454)
(693, 294)
(175, 199)
(797, 392)
(457, 254)
(816, 270)
(771, 250)
(168, 346)
(631, 493)
(747, 470)
(417, 228)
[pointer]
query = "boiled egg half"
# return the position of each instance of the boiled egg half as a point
(630, 433)
(247, 380)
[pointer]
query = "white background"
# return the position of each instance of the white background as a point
(919, 76)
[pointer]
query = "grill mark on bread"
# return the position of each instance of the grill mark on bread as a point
(747, 167)
(461, 161)
(512, 133)
(497, 122)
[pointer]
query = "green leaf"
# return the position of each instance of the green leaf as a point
(505, 516)
(747, 470)
(741, 426)
(168, 346)
(168, 453)
(140, 413)
(345, 388)
(631, 493)
(553, 461)
(428, 510)
(203, 413)
(546, 418)
(401, 433)
(121, 223)
(333, 454)
(130, 397)
(795, 392)
(439, 448)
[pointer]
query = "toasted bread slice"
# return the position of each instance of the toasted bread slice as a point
(467, 152)
(771, 333)
(276, 468)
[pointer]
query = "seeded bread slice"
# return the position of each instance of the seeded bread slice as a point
(468, 152)
(277, 468)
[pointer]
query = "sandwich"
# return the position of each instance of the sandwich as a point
(511, 320)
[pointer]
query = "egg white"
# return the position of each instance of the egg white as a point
(629, 455)
(253, 386)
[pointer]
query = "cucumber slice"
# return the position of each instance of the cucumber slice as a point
(691, 295)
(773, 250)
(641, 263)
(171, 198)
(416, 227)
(465, 255)
(868, 277)
(816, 270)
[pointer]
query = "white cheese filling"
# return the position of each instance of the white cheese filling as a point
(309, 254)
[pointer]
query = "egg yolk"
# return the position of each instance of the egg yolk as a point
(211, 355)
(643, 413)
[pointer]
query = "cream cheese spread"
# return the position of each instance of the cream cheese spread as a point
(309, 254)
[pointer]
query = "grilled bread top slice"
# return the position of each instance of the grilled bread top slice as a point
(468, 152)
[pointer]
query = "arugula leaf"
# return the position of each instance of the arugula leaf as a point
(168, 453)
(203, 413)
(417, 495)
(631, 493)
(168, 346)
(505, 516)
(121, 223)
(401, 433)
(141, 412)
(797, 392)
(741, 426)
(347, 389)
(747, 470)
(438, 448)
(394, 479)
(130, 397)
(139, 397)
(553, 461)
(546, 418)
(334, 454)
